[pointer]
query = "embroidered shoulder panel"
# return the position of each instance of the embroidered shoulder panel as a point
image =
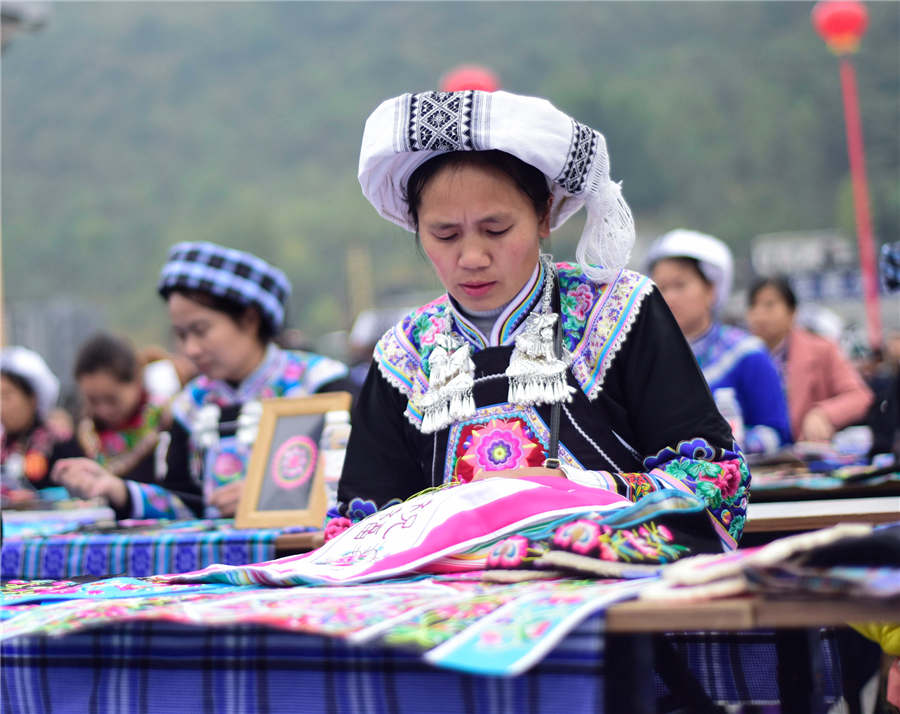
(597, 319)
(402, 352)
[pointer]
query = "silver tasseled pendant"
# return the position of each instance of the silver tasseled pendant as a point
(449, 396)
(248, 422)
(536, 375)
(206, 426)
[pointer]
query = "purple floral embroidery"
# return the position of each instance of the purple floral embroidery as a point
(185, 558)
(693, 449)
(140, 560)
(236, 554)
(53, 561)
(12, 556)
(360, 508)
(95, 560)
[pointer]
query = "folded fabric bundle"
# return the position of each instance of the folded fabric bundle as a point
(848, 560)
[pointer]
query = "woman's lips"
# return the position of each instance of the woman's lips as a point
(476, 289)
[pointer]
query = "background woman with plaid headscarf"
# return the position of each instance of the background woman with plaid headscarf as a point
(226, 306)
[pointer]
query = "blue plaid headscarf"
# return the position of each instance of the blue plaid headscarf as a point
(890, 266)
(228, 273)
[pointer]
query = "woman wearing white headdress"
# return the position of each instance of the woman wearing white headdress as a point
(471, 384)
(694, 272)
(28, 446)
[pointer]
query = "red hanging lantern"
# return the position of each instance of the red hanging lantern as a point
(470, 76)
(841, 23)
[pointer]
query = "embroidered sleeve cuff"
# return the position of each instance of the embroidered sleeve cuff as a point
(593, 479)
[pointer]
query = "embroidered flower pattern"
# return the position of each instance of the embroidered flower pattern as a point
(360, 508)
(508, 553)
(639, 483)
(647, 543)
(335, 527)
(722, 483)
(498, 445)
(576, 305)
(607, 327)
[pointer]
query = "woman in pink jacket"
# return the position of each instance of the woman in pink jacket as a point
(824, 392)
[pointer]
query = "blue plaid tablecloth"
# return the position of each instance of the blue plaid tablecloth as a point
(154, 667)
(174, 547)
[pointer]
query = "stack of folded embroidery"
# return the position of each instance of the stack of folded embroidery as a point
(850, 560)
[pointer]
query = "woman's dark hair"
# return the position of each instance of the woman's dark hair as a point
(23, 384)
(231, 308)
(780, 284)
(107, 353)
(687, 262)
(531, 181)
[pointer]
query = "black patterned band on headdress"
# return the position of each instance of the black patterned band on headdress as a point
(227, 273)
(440, 121)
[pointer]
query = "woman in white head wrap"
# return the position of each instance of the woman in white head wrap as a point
(29, 448)
(694, 273)
(471, 384)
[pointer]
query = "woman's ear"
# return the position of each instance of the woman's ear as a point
(250, 319)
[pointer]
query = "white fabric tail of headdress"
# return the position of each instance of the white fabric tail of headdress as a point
(449, 397)
(608, 237)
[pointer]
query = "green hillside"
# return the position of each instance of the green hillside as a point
(129, 126)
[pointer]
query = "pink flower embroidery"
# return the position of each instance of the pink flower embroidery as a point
(428, 335)
(335, 527)
(584, 298)
(727, 479)
(581, 536)
(606, 552)
(292, 372)
(508, 553)
(497, 446)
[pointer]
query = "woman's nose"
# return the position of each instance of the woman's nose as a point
(474, 254)
(190, 345)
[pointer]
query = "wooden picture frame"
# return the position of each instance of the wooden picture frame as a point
(285, 485)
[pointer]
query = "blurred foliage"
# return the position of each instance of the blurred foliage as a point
(130, 126)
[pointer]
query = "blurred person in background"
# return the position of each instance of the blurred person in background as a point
(694, 273)
(29, 447)
(123, 417)
(165, 373)
(824, 392)
(225, 306)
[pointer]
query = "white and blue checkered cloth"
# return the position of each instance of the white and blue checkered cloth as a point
(228, 273)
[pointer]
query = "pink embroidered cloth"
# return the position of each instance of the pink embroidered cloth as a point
(445, 530)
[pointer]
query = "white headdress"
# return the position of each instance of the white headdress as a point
(404, 132)
(30, 366)
(712, 255)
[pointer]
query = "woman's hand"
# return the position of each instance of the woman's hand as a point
(816, 426)
(226, 498)
(519, 473)
(86, 478)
